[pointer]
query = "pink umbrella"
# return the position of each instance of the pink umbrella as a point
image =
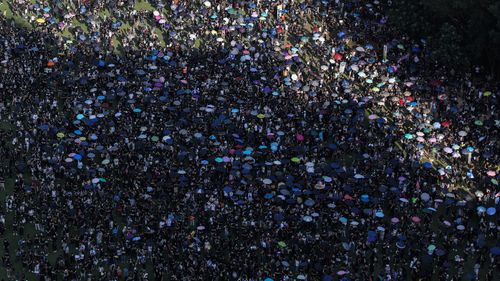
(342, 272)
(420, 134)
(300, 137)
(415, 219)
(420, 139)
(491, 173)
(432, 140)
(372, 117)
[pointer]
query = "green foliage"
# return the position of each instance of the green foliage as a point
(461, 33)
(446, 47)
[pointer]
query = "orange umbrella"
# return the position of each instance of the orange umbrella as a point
(51, 63)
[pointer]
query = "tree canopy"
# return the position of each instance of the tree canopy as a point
(460, 33)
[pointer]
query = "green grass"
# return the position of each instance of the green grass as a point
(143, 6)
(6, 11)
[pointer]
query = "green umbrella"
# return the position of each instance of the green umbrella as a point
(478, 122)
(282, 244)
(409, 136)
(155, 138)
(494, 181)
(103, 180)
(295, 159)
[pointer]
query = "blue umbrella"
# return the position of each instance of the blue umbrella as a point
(495, 251)
(327, 278)
(427, 165)
(491, 211)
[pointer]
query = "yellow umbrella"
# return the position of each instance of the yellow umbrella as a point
(487, 94)
(40, 20)
(260, 116)
(60, 135)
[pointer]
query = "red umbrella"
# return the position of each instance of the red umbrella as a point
(435, 83)
(337, 56)
(415, 219)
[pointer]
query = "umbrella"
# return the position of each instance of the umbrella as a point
(491, 211)
(495, 251)
(425, 196)
(415, 219)
(309, 202)
(447, 150)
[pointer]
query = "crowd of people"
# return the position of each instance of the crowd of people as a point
(265, 140)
